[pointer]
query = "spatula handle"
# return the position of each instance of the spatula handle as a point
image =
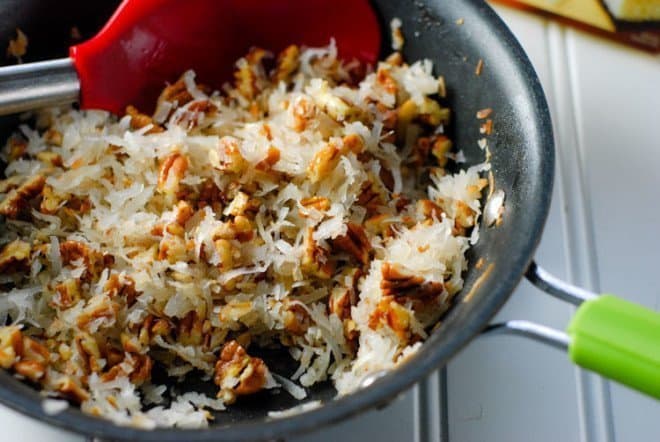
(35, 85)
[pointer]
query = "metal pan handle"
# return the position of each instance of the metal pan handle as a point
(608, 335)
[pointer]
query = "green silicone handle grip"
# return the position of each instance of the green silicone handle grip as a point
(619, 340)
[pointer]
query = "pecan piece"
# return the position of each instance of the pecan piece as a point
(385, 80)
(140, 120)
(320, 203)
(301, 113)
(427, 209)
(171, 172)
(175, 93)
(237, 373)
(343, 297)
(440, 148)
(68, 294)
(316, 260)
(395, 316)
(71, 389)
(287, 63)
(34, 360)
(323, 162)
(354, 242)
(228, 157)
(15, 255)
(53, 137)
(88, 349)
(99, 307)
(17, 200)
(17, 148)
(123, 287)
(245, 77)
(272, 157)
(296, 319)
(11, 345)
(51, 201)
(93, 260)
(402, 285)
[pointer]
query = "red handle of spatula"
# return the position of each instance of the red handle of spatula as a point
(147, 43)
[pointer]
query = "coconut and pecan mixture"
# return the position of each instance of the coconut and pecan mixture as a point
(306, 205)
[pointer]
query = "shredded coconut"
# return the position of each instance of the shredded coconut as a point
(299, 207)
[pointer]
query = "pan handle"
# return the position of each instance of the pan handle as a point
(608, 335)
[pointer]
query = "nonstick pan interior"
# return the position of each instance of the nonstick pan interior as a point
(455, 35)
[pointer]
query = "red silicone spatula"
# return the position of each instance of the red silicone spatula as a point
(147, 43)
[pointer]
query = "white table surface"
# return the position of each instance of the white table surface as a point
(602, 233)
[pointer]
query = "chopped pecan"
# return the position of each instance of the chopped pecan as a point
(237, 373)
(53, 137)
(287, 63)
(323, 162)
(354, 242)
(17, 148)
(301, 113)
(15, 255)
(11, 345)
(402, 285)
(173, 248)
(17, 47)
(394, 59)
(345, 296)
(32, 370)
(385, 80)
(372, 196)
(296, 319)
(272, 157)
(68, 294)
(240, 229)
(210, 195)
(94, 261)
(316, 259)
(175, 93)
(335, 106)
(71, 389)
(441, 147)
(89, 351)
(431, 113)
(51, 201)
(245, 77)
(225, 252)
(427, 209)
(99, 307)
(380, 225)
(150, 327)
(136, 366)
(352, 143)
(120, 286)
(172, 170)
(395, 316)
(34, 360)
(140, 120)
(17, 200)
(320, 203)
(189, 329)
(50, 158)
(406, 112)
(228, 157)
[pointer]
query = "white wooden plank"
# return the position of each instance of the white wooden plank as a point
(618, 97)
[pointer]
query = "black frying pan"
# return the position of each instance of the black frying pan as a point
(522, 161)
